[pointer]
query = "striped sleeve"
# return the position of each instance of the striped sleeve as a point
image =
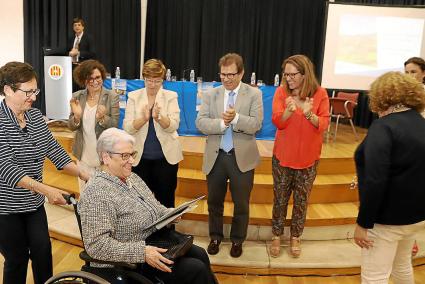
(10, 172)
(55, 151)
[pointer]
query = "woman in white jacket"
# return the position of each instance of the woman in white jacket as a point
(152, 116)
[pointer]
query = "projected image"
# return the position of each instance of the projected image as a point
(371, 46)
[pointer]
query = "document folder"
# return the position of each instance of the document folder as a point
(175, 213)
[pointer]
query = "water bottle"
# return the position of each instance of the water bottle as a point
(168, 75)
(276, 80)
(117, 73)
(192, 75)
(253, 81)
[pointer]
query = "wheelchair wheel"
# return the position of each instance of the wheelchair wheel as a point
(76, 277)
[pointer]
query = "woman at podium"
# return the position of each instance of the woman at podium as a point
(93, 110)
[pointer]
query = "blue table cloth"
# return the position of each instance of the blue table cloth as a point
(187, 96)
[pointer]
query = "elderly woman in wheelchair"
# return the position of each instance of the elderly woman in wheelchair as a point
(116, 210)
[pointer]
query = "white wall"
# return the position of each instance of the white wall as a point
(11, 31)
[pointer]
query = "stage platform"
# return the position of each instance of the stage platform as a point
(328, 248)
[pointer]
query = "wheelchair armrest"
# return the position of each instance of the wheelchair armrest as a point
(84, 256)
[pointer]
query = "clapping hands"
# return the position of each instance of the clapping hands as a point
(228, 115)
(146, 113)
(291, 105)
(156, 112)
(308, 105)
(100, 112)
(76, 108)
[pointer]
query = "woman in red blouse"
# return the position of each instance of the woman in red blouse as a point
(301, 114)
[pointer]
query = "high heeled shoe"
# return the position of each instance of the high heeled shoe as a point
(295, 247)
(275, 246)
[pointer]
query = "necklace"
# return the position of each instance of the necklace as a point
(20, 118)
(92, 97)
(399, 108)
(393, 109)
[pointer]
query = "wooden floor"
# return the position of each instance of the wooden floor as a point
(65, 258)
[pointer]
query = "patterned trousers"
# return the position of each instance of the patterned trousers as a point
(287, 180)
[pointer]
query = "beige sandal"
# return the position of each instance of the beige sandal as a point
(275, 246)
(295, 247)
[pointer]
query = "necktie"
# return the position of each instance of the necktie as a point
(76, 46)
(227, 140)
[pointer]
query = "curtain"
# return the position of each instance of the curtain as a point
(194, 34)
(115, 27)
(385, 2)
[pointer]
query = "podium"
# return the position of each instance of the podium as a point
(58, 86)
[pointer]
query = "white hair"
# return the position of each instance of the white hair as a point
(109, 138)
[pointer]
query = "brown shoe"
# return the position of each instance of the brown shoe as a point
(236, 249)
(214, 247)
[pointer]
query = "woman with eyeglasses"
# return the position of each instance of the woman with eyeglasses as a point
(93, 110)
(300, 113)
(415, 67)
(25, 142)
(117, 210)
(152, 116)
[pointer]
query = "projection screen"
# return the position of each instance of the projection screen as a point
(363, 42)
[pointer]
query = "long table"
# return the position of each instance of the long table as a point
(187, 98)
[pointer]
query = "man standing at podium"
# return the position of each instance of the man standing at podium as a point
(80, 45)
(230, 115)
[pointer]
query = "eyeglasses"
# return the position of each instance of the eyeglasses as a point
(154, 81)
(228, 75)
(29, 93)
(97, 78)
(290, 75)
(125, 156)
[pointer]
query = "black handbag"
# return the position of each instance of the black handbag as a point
(177, 244)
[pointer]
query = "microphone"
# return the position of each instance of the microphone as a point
(184, 73)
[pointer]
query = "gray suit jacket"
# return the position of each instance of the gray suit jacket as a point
(249, 106)
(110, 100)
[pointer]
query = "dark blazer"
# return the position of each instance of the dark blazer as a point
(390, 166)
(86, 47)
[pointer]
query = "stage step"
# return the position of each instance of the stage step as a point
(336, 158)
(327, 165)
(319, 257)
(327, 214)
(192, 183)
(326, 188)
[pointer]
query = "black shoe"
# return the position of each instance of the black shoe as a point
(236, 249)
(213, 247)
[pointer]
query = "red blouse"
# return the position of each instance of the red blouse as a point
(298, 142)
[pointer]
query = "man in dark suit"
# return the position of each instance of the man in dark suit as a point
(230, 115)
(80, 45)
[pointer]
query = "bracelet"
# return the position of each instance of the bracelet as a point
(31, 185)
(308, 115)
(77, 123)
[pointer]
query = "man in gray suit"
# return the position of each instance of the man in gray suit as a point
(230, 115)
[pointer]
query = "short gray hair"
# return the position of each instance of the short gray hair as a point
(109, 138)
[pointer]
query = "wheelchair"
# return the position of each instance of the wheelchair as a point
(121, 273)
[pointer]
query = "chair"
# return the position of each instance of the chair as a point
(342, 106)
(121, 272)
